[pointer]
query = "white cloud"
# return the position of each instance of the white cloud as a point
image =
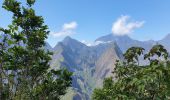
(124, 27)
(93, 43)
(70, 26)
(67, 29)
(86, 43)
(62, 33)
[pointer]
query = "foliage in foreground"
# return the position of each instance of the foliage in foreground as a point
(135, 82)
(24, 65)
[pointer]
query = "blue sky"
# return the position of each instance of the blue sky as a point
(90, 19)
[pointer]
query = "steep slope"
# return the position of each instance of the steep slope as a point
(106, 63)
(85, 62)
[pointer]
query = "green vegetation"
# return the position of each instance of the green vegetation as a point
(24, 64)
(135, 82)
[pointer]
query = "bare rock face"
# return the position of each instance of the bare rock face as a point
(106, 64)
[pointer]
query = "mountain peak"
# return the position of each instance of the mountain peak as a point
(67, 38)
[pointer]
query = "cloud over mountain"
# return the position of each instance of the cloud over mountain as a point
(95, 43)
(124, 26)
(67, 30)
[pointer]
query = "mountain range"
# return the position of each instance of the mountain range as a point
(125, 42)
(91, 64)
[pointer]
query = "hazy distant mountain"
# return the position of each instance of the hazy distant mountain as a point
(86, 63)
(125, 42)
(166, 42)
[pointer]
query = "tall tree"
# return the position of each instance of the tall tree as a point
(135, 82)
(24, 64)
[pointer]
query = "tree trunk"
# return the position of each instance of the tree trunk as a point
(1, 71)
(1, 86)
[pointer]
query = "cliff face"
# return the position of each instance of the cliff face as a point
(106, 64)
